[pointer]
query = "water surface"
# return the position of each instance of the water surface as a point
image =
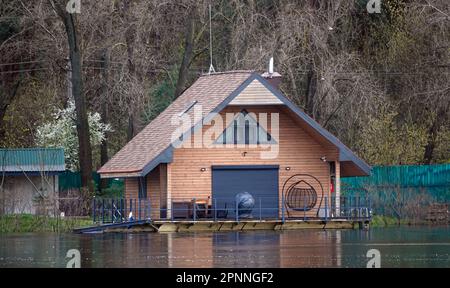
(399, 247)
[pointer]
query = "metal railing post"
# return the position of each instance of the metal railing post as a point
(112, 210)
(349, 208)
(149, 208)
(195, 210)
(260, 210)
(304, 208)
(326, 208)
(124, 207)
(135, 209)
(93, 210)
(237, 210)
(146, 211)
(282, 208)
(338, 209)
(333, 206)
(131, 206)
(215, 210)
(119, 208)
(139, 208)
(171, 210)
(357, 207)
(103, 210)
(145, 208)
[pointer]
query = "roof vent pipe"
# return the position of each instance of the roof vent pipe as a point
(271, 66)
(273, 77)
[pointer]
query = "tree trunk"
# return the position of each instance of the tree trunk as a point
(432, 134)
(6, 97)
(311, 86)
(187, 55)
(82, 124)
(130, 36)
(104, 112)
(431, 143)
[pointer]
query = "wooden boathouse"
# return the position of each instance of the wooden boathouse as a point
(233, 149)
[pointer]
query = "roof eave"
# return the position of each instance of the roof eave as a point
(345, 154)
(166, 156)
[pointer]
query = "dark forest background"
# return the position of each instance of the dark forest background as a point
(379, 82)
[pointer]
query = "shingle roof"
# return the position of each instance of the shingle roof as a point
(152, 145)
(209, 91)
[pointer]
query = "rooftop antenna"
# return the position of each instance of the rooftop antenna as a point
(271, 66)
(211, 67)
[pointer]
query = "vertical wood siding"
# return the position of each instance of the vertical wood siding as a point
(297, 150)
(156, 192)
(184, 180)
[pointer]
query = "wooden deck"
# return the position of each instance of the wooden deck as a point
(225, 225)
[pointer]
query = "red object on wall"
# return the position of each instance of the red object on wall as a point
(331, 187)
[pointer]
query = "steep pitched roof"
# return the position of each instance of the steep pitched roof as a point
(152, 145)
(153, 141)
(347, 157)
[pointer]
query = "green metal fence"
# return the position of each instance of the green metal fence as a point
(431, 179)
(400, 190)
(72, 180)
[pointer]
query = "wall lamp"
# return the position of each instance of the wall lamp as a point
(203, 169)
(323, 158)
(288, 168)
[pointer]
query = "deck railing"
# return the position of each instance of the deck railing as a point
(117, 210)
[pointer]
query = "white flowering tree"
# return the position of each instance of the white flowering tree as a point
(62, 132)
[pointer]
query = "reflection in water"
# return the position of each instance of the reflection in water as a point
(399, 247)
(318, 249)
(338, 249)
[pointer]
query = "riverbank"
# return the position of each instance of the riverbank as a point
(380, 221)
(32, 223)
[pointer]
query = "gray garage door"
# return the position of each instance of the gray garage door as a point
(260, 181)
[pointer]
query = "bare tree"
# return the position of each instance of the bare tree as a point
(188, 51)
(85, 151)
(340, 64)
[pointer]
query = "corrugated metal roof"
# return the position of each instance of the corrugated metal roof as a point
(32, 159)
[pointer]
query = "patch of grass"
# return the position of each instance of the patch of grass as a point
(384, 221)
(33, 223)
